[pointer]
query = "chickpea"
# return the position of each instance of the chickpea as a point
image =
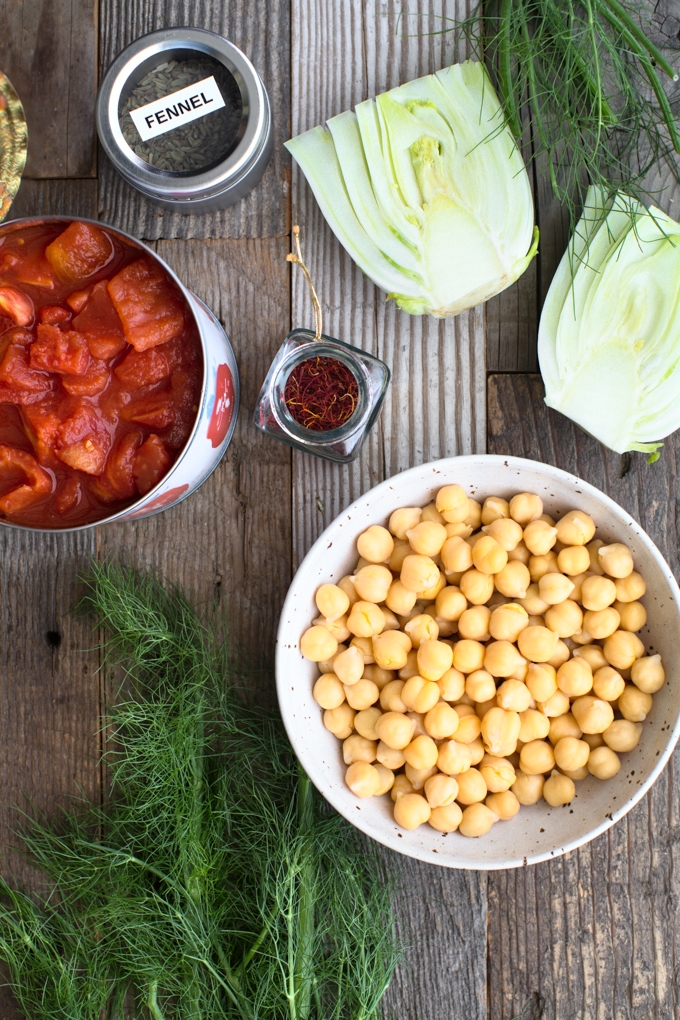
(601, 624)
(391, 649)
(390, 757)
(500, 731)
(399, 599)
(401, 786)
(476, 586)
(469, 727)
(430, 513)
(513, 580)
(532, 601)
(593, 740)
(508, 621)
(418, 723)
(604, 763)
(418, 573)
(593, 548)
(411, 667)
(592, 714)
(648, 674)
(482, 707)
(565, 618)
(622, 735)
(421, 628)
(365, 646)
(380, 677)
(513, 696)
(390, 697)
(441, 790)
(582, 637)
(616, 559)
(364, 723)
(418, 777)
(421, 753)
(331, 601)
(386, 778)
(441, 721)
(508, 533)
(365, 619)
(559, 790)
(540, 565)
(556, 705)
(427, 538)
(403, 519)
(452, 684)
(632, 615)
(318, 643)
(477, 820)
(562, 726)
(477, 750)
(538, 644)
(446, 818)
(631, 588)
(453, 504)
(411, 810)
(339, 721)
(597, 593)
(541, 680)
(622, 648)
(502, 659)
(358, 748)
(497, 773)
(345, 585)
(577, 580)
(554, 588)
(474, 623)
(480, 686)
(493, 508)
(401, 550)
(471, 787)
(634, 704)
(419, 695)
(361, 695)
(528, 789)
(348, 665)
(575, 677)
(536, 757)
(328, 691)
(520, 554)
(592, 654)
(363, 779)
(456, 555)
(395, 730)
(608, 684)
(573, 560)
(372, 583)
(434, 658)
(525, 507)
(450, 604)
(326, 665)
(571, 754)
(454, 757)
(575, 528)
(539, 538)
(533, 725)
(504, 804)
(474, 517)
(338, 628)
(488, 555)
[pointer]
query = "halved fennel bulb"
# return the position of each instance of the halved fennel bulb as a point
(426, 189)
(609, 335)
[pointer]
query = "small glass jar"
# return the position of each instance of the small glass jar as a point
(341, 444)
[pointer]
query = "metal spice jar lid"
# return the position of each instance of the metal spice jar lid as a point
(184, 117)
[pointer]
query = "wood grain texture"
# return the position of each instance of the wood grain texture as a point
(48, 49)
(343, 53)
(61, 197)
(262, 30)
(230, 541)
(596, 933)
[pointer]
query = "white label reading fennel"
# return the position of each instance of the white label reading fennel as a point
(177, 109)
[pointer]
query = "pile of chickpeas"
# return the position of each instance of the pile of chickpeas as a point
(482, 657)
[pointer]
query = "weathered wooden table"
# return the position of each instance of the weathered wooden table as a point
(594, 935)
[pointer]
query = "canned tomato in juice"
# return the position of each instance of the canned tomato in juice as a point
(118, 386)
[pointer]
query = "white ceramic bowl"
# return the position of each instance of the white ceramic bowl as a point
(536, 833)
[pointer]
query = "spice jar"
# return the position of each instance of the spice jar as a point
(184, 117)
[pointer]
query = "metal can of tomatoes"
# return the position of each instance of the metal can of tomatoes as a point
(118, 386)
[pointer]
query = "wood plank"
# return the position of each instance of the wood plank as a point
(48, 49)
(597, 932)
(61, 197)
(262, 30)
(231, 539)
(343, 53)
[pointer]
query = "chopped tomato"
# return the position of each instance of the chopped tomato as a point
(55, 315)
(143, 368)
(22, 467)
(80, 251)
(150, 309)
(151, 463)
(78, 299)
(185, 393)
(100, 323)
(16, 370)
(54, 351)
(93, 381)
(83, 441)
(118, 479)
(30, 268)
(157, 411)
(41, 423)
(17, 306)
(69, 496)
(17, 335)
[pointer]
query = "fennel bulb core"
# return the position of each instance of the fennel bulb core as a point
(425, 188)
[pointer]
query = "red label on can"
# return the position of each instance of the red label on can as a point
(159, 503)
(223, 408)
